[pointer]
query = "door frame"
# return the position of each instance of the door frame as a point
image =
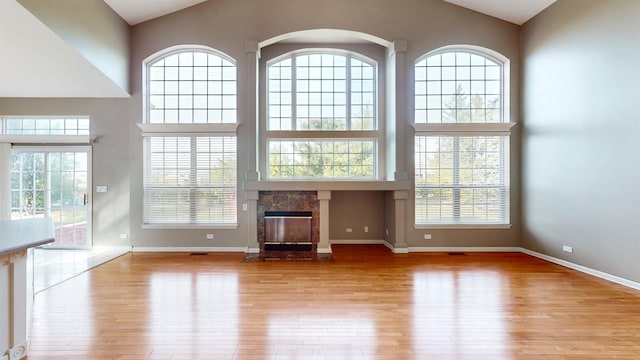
(88, 149)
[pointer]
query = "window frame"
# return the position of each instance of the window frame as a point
(189, 130)
(477, 129)
(376, 135)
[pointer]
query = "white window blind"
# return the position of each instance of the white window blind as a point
(461, 149)
(190, 180)
(461, 179)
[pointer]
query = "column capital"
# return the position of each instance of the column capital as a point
(251, 46)
(401, 195)
(400, 46)
(251, 195)
(324, 194)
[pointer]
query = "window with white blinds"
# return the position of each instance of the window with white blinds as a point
(461, 179)
(462, 141)
(190, 153)
(190, 180)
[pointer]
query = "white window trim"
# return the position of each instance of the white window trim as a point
(188, 129)
(48, 139)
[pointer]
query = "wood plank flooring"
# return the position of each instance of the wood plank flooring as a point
(365, 304)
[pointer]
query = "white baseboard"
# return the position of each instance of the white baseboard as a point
(357, 242)
(141, 249)
(464, 249)
(584, 269)
(325, 250)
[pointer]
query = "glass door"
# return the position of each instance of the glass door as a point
(55, 182)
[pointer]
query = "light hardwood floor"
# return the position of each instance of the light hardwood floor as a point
(366, 304)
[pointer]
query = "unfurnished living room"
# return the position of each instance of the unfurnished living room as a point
(336, 179)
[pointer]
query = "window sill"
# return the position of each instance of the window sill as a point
(189, 227)
(461, 226)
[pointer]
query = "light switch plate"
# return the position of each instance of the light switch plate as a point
(101, 188)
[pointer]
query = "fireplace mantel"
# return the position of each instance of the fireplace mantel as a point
(336, 185)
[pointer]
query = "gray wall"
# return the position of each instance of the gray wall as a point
(581, 138)
(111, 156)
(93, 29)
(227, 25)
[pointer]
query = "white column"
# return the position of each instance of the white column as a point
(5, 181)
(251, 122)
(323, 245)
(396, 111)
(19, 311)
(15, 305)
(5, 306)
(251, 197)
(251, 118)
(400, 199)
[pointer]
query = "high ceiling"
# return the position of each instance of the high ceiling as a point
(44, 65)
(515, 11)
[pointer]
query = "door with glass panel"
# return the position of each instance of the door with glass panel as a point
(55, 182)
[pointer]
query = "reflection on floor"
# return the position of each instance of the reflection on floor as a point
(53, 266)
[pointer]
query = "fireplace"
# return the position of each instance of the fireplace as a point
(288, 224)
(288, 231)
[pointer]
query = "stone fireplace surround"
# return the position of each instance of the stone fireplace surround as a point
(289, 201)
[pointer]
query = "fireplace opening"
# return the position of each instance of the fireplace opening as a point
(288, 231)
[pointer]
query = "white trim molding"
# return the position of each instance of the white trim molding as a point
(149, 249)
(584, 269)
(19, 351)
(464, 249)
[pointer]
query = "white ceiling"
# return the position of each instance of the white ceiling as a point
(514, 11)
(36, 62)
(137, 11)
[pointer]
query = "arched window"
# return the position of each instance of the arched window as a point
(462, 138)
(190, 156)
(322, 116)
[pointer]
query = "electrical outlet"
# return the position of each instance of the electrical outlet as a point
(427, 236)
(244, 207)
(566, 248)
(349, 230)
(124, 236)
(210, 236)
(366, 229)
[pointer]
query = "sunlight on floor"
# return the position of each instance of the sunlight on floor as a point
(53, 266)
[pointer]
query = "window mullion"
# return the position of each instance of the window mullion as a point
(456, 178)
(294, 94)
(193, 173)
(348, 92)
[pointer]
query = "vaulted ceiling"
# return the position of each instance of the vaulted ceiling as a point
(37, 62)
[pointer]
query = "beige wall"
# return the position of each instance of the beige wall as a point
(581, 138)
(227, 25)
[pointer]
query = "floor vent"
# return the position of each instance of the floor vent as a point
(456, 254)
(198, 253)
